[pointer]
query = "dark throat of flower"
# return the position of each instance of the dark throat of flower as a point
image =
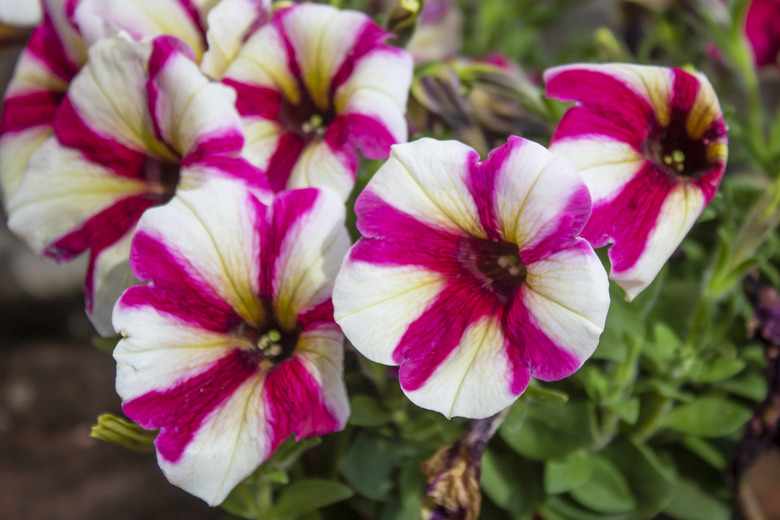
(676, 152)
(271, 344)
(495, 265)
(305, 118)
(161, 177)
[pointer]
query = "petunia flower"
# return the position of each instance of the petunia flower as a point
(314, 85)
(139, 122)
(762, 27)
(57, 50)
(650, 143)
(231, 347)
(470, 275)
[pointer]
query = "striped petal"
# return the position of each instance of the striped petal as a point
(330, 86)
(51, 58)
(470, 275)
(192, 115)
(650, 143)
(109, 161)
(229, 23)
(224, 267)
(97, 19)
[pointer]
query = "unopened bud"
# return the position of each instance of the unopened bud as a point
(121, 431)
(402, 20)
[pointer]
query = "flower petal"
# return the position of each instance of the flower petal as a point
(60, 192)
(209, 236)
(98, 19)
(191, 114)
(476, 379)
(305, 244)
(428, 183)
(229, 24)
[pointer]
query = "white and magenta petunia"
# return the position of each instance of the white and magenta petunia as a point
(314, 85)
(650, 143)
(57, 50)
(471, 276)
(231, 347)
(139, 122)
(53, 55)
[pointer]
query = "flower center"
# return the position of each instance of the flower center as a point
(161, 177)
(674, 151)
(305, 119)
(495, 265)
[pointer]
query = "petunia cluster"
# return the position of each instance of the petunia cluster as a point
(200, 152)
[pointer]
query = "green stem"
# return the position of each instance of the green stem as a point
(654, 421)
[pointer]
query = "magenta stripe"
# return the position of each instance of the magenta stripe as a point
(317, 316)
(370, 38)
(363, 131)
(223, 141)
(628, 219)
(530, 348)
(684, 90)
(28, 110)
(254, 100)
(175, 289)
(46, 45)
(164, 49)
(180, 412)
(72, 131)
(391, 237)
(709, 182)
(282, 162)
(481, 182)
(609, 106)
(278, 23)
(192, 12)
(70, 12)
(560, 233)
(98, 233)
(288, 208)
(295, 404)
(232, 168)
(430, 339)
(581, 121)
(101, 230)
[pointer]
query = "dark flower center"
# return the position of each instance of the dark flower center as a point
(495, 265)
(676, 152)
(305, 118)
(161, 177)
(271, 343)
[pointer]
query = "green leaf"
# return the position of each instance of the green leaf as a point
(594, 380)
(305, 496)
(753, 386)
(709, 416)
(719, 369)
(651, 480)
(539, 393)
(706, 451)
(690, 502)
(563, 475)
(369, 464)
(549, 432)
(627, 410)
(412, 488)
(366, 411)
(512, 483)
(606, 491)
